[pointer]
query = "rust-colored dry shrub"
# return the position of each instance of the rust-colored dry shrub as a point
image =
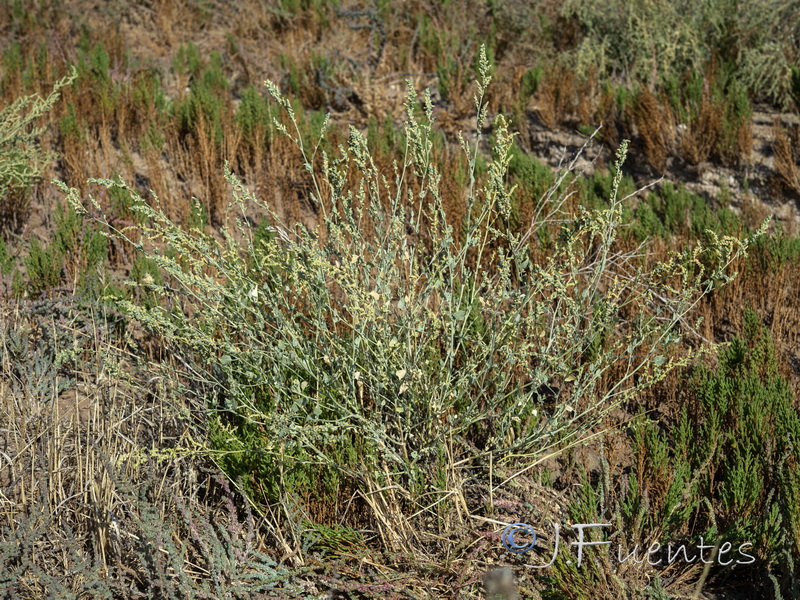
(744, 142)
(702, 134)
(787, 155)
(156, 173)
(610, 118)
(588, 100)
(556, 97)
(74, 157)
(655, 123)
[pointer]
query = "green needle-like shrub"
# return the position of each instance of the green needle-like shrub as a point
(727, 471)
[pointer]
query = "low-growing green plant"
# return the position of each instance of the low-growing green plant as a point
(187, 61)
(378, 353)
(533, 180)
(74, 258)
(6, 259)
(70, 126)
(254, 116)
(147, 94)
(727, 471)
(384, 138)
(776, 251)
(43, 268)
(750, 428)
(675, 211)
(318, 7)
(153, 139)
(12, 60)
(530, 83)
(795, 88)
(205, 100)
(451, 51)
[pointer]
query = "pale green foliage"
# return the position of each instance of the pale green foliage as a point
(653, 40)
(22, 159)
(405, 342)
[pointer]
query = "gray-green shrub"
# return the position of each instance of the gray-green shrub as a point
(22, 159)
(655, 41)
(378, 353)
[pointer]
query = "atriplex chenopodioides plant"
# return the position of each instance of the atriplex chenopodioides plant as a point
(380, 347)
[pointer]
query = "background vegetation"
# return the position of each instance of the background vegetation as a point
(274, 353)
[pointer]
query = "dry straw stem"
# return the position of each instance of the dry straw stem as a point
(101, 493)
(70, 405)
